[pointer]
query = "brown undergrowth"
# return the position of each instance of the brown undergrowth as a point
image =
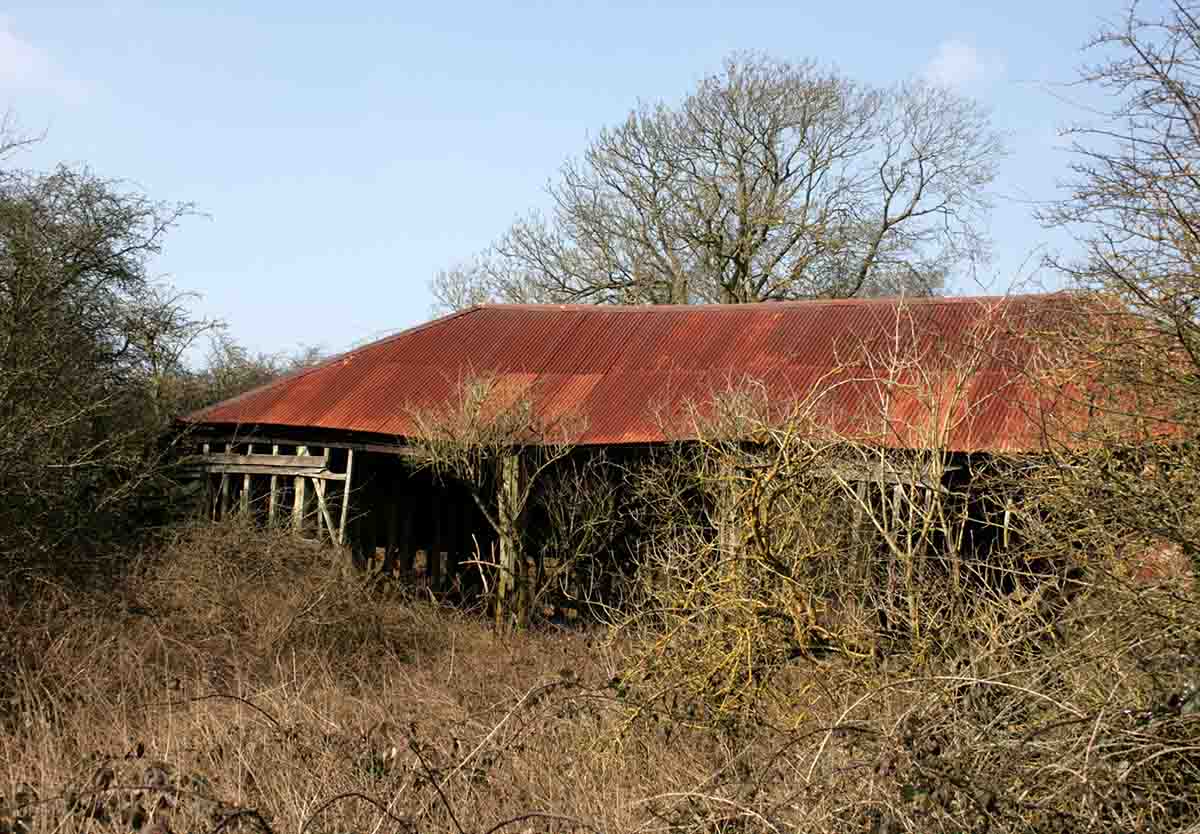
(240, 681)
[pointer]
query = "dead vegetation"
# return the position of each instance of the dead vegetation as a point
(241, 682)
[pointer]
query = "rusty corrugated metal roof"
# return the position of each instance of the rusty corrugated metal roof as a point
(886, 369)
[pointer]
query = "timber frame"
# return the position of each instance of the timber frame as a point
(363, 494)
(359, 493)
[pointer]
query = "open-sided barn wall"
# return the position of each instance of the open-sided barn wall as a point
(363, 495)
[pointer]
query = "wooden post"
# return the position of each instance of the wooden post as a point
(507, 508)
(1008, 508)
(210, 498)
(244, 504)
(341, 538)
(225, 486)
(301, 496)
(273, 501)
(323, 509)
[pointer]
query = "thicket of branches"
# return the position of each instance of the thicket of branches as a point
(94, 365)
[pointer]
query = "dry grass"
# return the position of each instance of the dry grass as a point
(240, 682)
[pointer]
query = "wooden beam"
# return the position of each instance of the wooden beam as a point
(341, 540)
(273, 501)
(299, 498)
(285, 471)
(210, 497)
(1008, 510)
(225, 488)
(397, 449)
(323, 509)
(313, 461)
(245, 497)
(508, 487)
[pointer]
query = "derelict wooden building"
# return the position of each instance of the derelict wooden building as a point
(326, 449)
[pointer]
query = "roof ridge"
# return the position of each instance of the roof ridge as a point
(893, 300)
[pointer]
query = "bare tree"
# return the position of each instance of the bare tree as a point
(1133, 203)
(771, 180)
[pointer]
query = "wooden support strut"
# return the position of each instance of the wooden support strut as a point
(273, 501)
(244, 504)
(341, 537)
(300, 497)
(506, 504)
(209, 492)
(323, 509)
(225, 486)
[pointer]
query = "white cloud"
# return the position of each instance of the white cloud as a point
(24, 66)
(957, 64)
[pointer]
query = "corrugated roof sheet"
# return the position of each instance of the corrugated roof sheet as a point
(884, 369)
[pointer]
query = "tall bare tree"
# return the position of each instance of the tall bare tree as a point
(771, 180)
(1134, 205)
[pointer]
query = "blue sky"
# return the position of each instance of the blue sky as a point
(343, 152)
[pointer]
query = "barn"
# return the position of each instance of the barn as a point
(330, 450)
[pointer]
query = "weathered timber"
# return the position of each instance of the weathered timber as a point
(273, 501)
(323, 511)
(300, 498)
(230, 459)
(209, 496)
(245, 502)
(509, 484)
(225, 488)
(396, 449)
(286, 471)
(341, 540)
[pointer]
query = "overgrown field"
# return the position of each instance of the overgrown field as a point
(240, 681)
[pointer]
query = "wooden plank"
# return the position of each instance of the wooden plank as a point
(273, 501)
(1008, 511)
(285, 471)
(245, 502)
(323, 507)
(346, 498)
(314, 461)
(300, 497)
(397, 449)
(225, 488)
(209, 493)
(506, 505)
